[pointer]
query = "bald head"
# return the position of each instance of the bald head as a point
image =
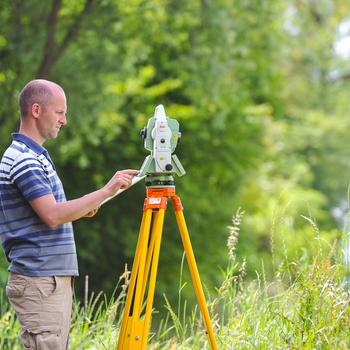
(36, 91)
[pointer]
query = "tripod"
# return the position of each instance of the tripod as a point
(134, 329)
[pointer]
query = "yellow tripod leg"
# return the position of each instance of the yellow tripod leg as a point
(134, 332)
(157, 237)
(195, 276)
(132, 306)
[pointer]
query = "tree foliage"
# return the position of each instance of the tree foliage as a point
(258, 89)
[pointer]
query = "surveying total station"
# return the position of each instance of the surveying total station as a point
(161, 136)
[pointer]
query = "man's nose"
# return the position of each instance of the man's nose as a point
(63, 120)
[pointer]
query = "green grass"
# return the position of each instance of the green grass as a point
(305, 306)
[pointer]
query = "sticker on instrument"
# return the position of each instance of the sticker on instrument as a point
(156, 200)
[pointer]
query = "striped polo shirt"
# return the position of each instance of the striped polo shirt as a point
(31, 247)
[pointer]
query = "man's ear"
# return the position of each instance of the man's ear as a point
(36, 110)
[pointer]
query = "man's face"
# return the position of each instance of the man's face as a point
(53, 116)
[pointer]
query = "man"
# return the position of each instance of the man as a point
(35, 220)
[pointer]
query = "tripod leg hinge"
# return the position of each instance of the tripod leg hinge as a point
(177, 203)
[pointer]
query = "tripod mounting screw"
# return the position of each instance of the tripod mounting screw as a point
(137, 338)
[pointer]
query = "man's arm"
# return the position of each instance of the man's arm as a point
(53, 213)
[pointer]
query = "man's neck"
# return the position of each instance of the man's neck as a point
(27, 132)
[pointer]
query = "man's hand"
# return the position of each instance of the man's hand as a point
(121, 180)
(91, 213)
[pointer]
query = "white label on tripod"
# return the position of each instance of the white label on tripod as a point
(156, 200)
